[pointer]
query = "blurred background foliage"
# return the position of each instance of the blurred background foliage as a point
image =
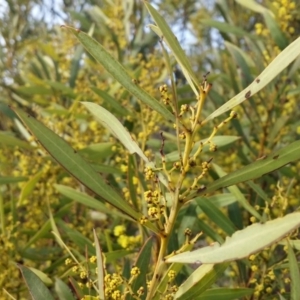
(47, 73)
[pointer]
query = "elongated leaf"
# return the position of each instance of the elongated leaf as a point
(275, 31)
(77, 167)
(100, 267)
(121, 110)
(143, 263)
(11, 141)
(253, 5)
(36, 287)
(163, 31)
(219, 141)
(289, 54)
(114, 255)
(113, 125)
(118, 72)
(234, 190)
(45, 229)
(199, 281)
(295, 273)
(62, 290)
(73, 163)
(87, 200)
(227, 28)
(170, 38)
(29, 186)
(242, 243)
(257, 169)
(242, 60)
(224, 294)
(96, 152)
(216, 216)
(9, 179)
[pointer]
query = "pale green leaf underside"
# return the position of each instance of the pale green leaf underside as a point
(100, 267)
(242, 243)
(289, 54)
(113, 125)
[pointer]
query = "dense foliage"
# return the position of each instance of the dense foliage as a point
(48, 216)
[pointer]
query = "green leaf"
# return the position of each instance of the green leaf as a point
(100, 267)
(227, 28)
(219, 141)
(34, 90)
(45, 229)
(113, 67)
(30, 185)
(221, 200)
(242, 243)
(163, 31)
(108, 99)
(11, 141)
(289, 54)
(216, 216)
(10, 179)
(295, 274)
(199, 281)
(143, 263)
(61, 87)
(87, 200)
(62, 290)
(83, 243)
(74, 164)
(235, 191)
(224, 294)
(277, 35)
(242, 60)
(36, 287)
(257, 169)
(75, 65)
(113, 125)
(114, 255)
(96, 152)
(254, 6)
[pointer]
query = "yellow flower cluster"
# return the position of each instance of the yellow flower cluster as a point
(125, 241)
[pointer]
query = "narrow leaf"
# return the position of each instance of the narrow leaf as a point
(74, 164)
(224, 294)
(295, 274)
(143, 263)
(172, 41)
(62, 290)
(242, 243)
(36, 287)
(216, 216)
(257, 169)
(199, 281)
(87, 200)
(113, 125)
(289, 54)
(10, 179)
(100, 268)
(113, 67)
